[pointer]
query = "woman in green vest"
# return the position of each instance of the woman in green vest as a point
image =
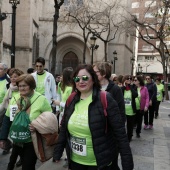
(129, 93)
(33, 104)
(160, 95)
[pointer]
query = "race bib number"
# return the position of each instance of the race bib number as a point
(158, 93)
(78, 146)
(13, 109)
(128, 101)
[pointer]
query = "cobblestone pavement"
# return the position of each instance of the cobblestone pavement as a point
(150, 152)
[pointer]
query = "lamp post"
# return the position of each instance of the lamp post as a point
(93, 46)
(166, 59)
(166, 75)
(14, 6)
(132, 61)
(114, 59)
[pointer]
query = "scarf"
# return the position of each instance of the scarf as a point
(127, 87)
(3, 77)
(25, 102)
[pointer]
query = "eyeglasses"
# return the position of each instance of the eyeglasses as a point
(84, 78)
(147, 78)
(38, 66)
(22, 86)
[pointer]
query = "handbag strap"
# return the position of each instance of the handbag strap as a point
(28, 109)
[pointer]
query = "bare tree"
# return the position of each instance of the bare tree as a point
(81, 16)
(99, 19)
(105, 25)
(156, 27)
(57, 5)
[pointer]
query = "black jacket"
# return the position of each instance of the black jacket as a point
(104, 144)
(134, 95)
(152, 89)
(117, 94)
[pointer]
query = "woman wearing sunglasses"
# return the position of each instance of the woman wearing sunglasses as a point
(129, 93)
(87, 135)
(142, 102)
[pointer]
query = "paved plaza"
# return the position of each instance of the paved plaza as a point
(150, 152)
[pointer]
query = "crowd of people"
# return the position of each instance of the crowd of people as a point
(93, 136)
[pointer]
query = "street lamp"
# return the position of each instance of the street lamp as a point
(3, 16)
(139, 68)
(93, 46)
(132, 61)
(114, 60)
(14, 6)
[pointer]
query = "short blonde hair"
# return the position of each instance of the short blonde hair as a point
(105, 68)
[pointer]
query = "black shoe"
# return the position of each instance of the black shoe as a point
(19, 163)
(138, 135)
(8, 146)
(156, 117)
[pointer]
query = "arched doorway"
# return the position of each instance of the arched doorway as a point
(70, 60)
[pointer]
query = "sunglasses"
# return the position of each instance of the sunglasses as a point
(84, 78)
(38, 66)
(135, 80)
(129, 78)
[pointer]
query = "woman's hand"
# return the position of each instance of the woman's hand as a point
(32, 128)
(145, 109)
(56, 102)
(150, 103)
(2, 144)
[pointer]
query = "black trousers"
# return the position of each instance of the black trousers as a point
(114, 165)
(27, 154)
(13, 157)
(77, 166)
(130, 125)
(157, 108)
(139, 119)
(149, 115)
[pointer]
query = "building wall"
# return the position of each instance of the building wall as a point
(147, 56)
(35, 19)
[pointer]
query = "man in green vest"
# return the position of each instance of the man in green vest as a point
(45, 82)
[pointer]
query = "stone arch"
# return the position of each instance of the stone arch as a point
(65, 45)
(47, 51)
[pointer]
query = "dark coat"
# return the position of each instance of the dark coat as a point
(117, 94)
(104, 144)
(152, 89)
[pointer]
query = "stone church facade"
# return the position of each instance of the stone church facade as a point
(34, 29)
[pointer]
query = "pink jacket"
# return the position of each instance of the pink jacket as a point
(144, 99)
